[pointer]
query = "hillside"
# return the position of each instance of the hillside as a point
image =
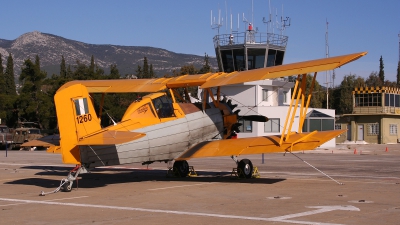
(50, 48)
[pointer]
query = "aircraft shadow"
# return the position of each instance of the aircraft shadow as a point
(101, 177)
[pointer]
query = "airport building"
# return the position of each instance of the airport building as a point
(271, 98)
(375, 116)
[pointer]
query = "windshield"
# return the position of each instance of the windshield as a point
(163, 106)
(34, 131)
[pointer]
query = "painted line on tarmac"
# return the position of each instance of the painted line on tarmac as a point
(58, 199)
(24, 203)
(189, 185)
(24, 164)
(332, 175)
(273, 219)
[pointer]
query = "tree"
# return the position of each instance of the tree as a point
(139, 72)
(2, 80)
(114, 73)
(10, 88)
(190, 69)
(34, 104)
(146, 74)
(398, 74)
(151, 72)
(345, 103)
(63, 69)
(206, 67)
(8, 93)
(374, 80)
(91, 68)
(318, 95)
(381, 71)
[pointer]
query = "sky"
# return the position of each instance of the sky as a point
(184, 26)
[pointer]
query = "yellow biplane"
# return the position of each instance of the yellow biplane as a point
(166, 126)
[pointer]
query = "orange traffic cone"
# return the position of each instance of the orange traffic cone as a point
(386, 149)
(355, 151)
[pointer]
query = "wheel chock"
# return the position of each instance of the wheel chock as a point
(255, 174)
(192, 172)
(238, 173)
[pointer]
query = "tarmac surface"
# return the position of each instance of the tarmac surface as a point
(361, 186)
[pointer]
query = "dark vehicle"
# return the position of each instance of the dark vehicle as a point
(24, 134)
(6, 138)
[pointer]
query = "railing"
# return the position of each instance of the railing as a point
(376, 110)
(250, 37)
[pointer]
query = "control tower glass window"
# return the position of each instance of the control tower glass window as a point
(255, 58)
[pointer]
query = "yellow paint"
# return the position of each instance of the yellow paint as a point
(81, 126)
(258, 145)
(71, 125)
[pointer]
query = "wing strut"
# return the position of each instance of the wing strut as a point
(299, 91)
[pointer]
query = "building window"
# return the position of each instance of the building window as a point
(247, 126)
(338, 126)
(272, 125)
(393, 129)
(265, 95)
(373, 129)
(316, 120)
(369, 99)
(285, 97)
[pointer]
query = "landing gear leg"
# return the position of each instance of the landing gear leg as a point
(66, 183)
(73, 174)
(182, 168)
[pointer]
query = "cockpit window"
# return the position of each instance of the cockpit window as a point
(163, 106)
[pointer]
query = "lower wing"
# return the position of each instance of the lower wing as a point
(256, 145)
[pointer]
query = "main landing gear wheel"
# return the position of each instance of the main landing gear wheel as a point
(182, 167)
(247, 168)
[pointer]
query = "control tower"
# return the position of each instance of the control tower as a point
(248, 50)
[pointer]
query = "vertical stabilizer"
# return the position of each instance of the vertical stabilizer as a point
(76, 118)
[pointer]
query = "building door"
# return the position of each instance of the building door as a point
(360, 133)
(349, 132)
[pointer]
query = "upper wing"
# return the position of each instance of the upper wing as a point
(282, 70)
(214, 79)
(257, 145)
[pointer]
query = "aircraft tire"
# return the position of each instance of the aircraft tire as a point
(66, 187)
(182, 167)
(247, 168)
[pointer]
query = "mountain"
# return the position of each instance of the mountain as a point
(50, 48)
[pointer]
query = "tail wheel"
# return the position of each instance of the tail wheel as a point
(67, 186)
(182, 167)
(247, 168)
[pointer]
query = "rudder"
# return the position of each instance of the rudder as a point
(76, 118)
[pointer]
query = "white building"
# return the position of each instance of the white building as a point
(271, 98)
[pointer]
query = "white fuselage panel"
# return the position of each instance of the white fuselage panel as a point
(163, 142)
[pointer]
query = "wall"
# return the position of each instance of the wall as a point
(386, 136)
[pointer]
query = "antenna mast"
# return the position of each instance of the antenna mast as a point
(399, 46)
(214, 24)
(327, 55)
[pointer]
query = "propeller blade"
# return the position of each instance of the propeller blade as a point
(256, 118)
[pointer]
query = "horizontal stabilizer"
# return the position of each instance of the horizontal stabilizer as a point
(109, 137)
(46, 141)
(258, 145)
